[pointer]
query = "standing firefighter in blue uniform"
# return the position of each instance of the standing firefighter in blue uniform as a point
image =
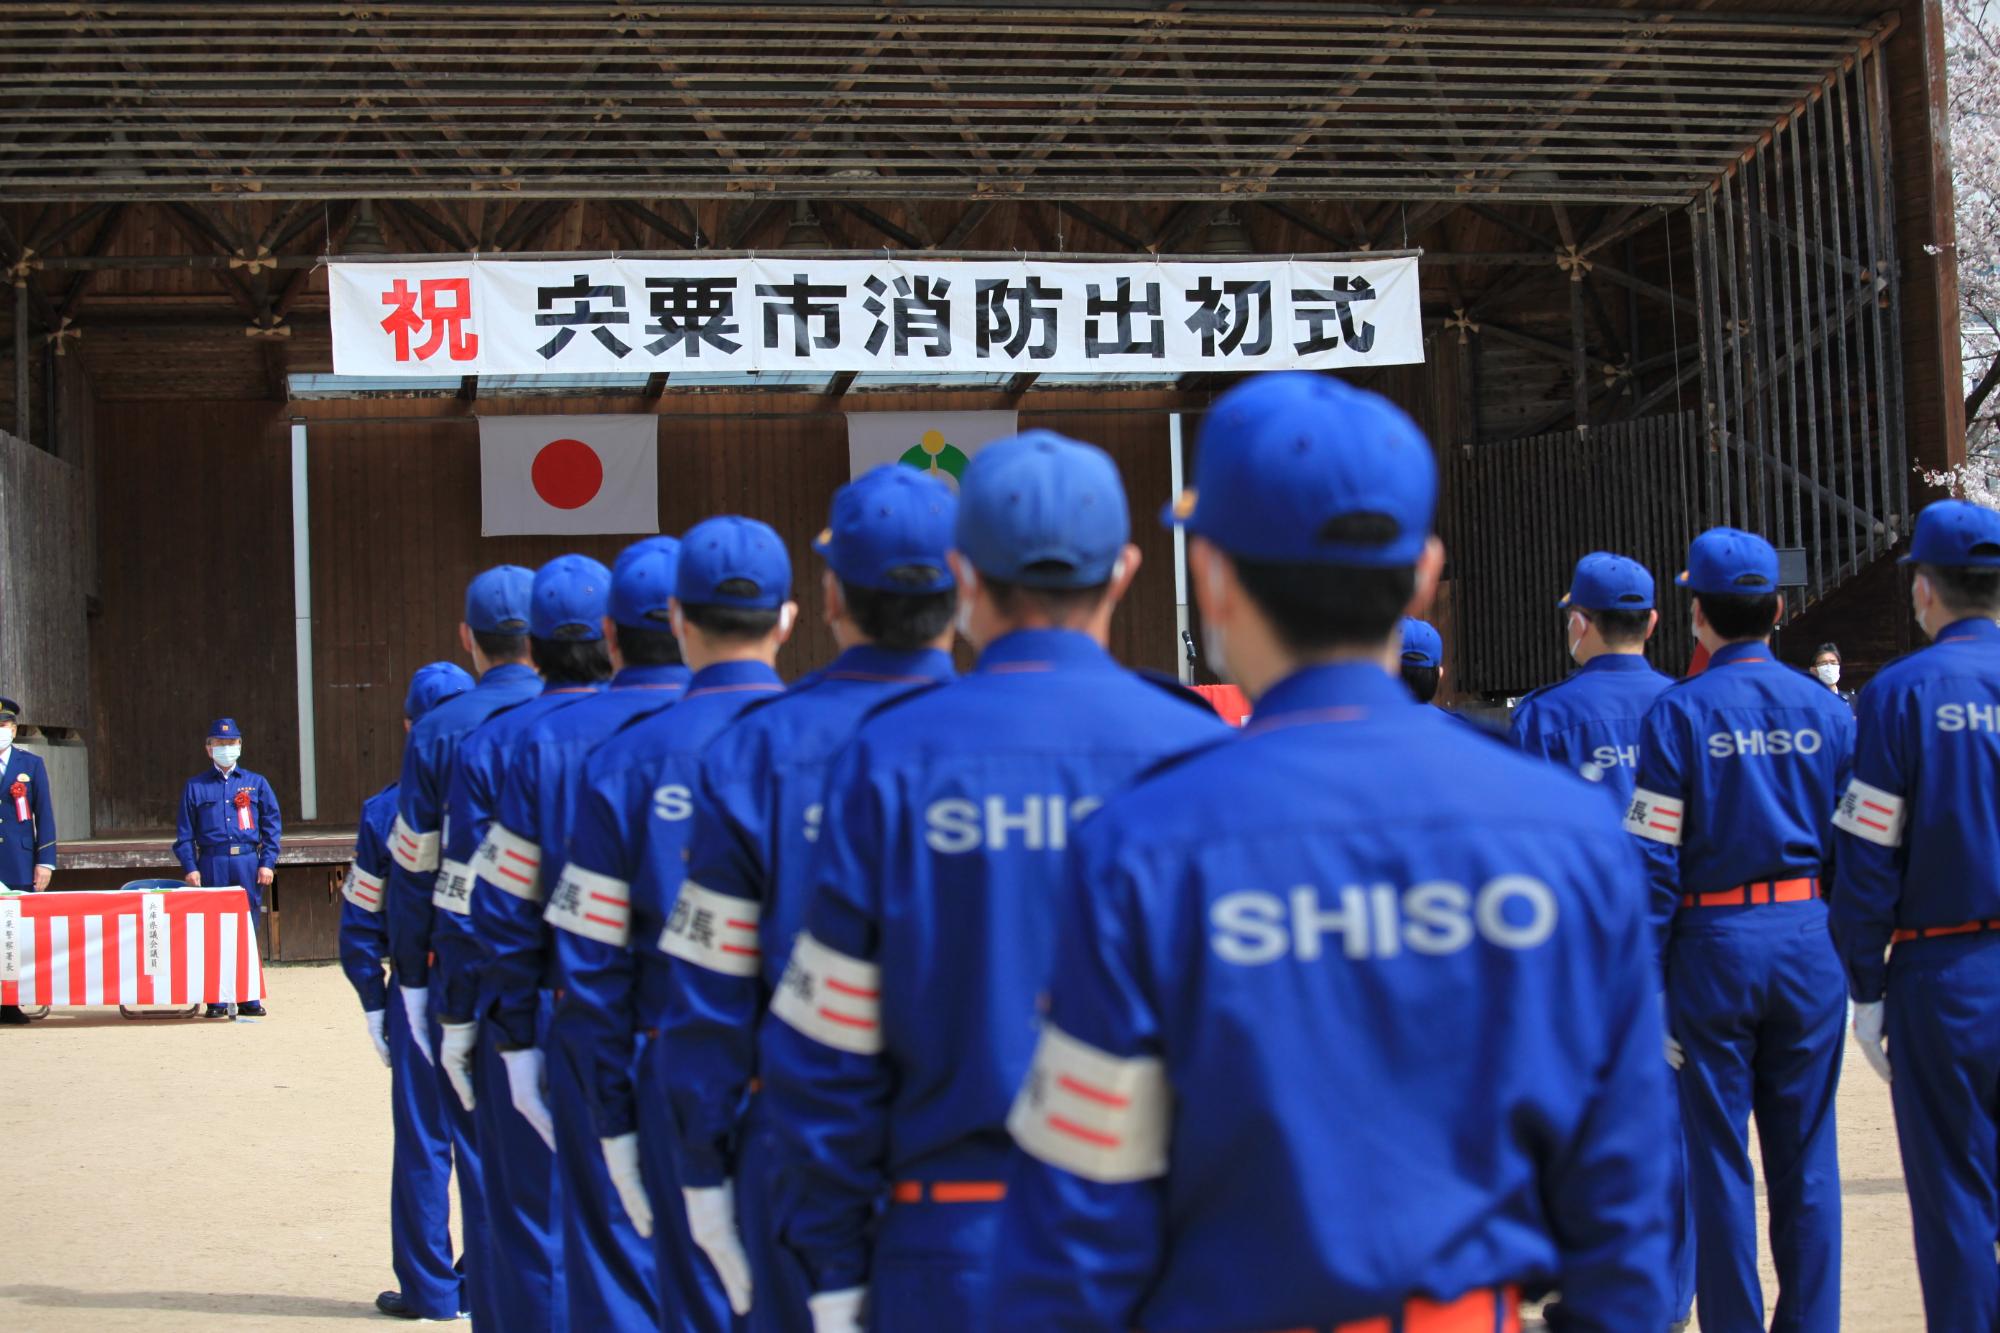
(732, 610)
(566, 642)
(1352, 1021)
(907, 1008)
(28, 827)
(420, 1176)
(228, 831)
(494, 634)
(609, 1276)
(889, 600)
(1919, 858)
(1739, 771)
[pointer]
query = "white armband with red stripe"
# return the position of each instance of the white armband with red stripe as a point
(1092, 1113)
(595, 906)
(1654, 816)
(452, 890)
(1871, 813)
(415, 852)
(509, 862)
(713, 930)
(834, 999)
(362, 889)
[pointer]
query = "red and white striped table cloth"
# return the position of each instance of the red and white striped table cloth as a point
(163, 948)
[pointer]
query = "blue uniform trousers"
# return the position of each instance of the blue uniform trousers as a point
(1944, 1046)
(481, 1294)
(691, 1296)
(1680, 1233)
(932, 1267)
(522, 1197)
(420, 1186)
(225, 871)
(613, 1282)
(781, 1282)
(1757, 998)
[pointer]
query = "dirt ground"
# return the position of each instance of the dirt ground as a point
(190, 1175)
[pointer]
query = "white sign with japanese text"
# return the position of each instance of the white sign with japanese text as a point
(897, 313)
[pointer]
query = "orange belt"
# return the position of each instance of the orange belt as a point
(1932, 932)
(950, 1191)
(1752, 895)
(1488, 1310)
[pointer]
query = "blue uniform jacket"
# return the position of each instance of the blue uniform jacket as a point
(364, 932)
(30, 842)
(1919, 825)
(477, 771)
(1739, 770)
(1592, 718)
(416, 839)
(212, 828)
(1355, 1008)
(625, 864)
(908, 1005)
(756, 817)
(527, 844)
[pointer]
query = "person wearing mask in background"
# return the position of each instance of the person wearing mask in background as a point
(28, 828)
(1422, 658)
(610, 1279)
(428, 1285)
(1351, 1021)
(732, 611)
(1740, 768)
(566, 609)
(1919, 879)
(889, 599)
(494, 634)
(228, 833)
(1826, 666)
(905, 1018)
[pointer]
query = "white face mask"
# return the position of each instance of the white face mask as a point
(1215, 644)
(225, 756)
(968, 588)
(1828, 673)
(6, 736)
(1576, 635)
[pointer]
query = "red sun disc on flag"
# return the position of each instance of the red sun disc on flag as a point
(567, 474)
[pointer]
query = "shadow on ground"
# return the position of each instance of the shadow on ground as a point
(262, 1304)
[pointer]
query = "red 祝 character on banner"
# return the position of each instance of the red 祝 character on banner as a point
(19, 791)
(441, 304)
(243, 817)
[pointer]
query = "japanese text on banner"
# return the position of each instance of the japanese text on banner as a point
(892, 314)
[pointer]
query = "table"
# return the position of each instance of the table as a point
(162, 948)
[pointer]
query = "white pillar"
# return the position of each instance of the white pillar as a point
(1180, 554)
(302, 625)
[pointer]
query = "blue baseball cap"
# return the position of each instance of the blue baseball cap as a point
(731, 549)
(431, 685)
(1729, 562)
(1607, 582)
(496, 602)
(571, 594)
(1956, 534)
(888, 522)
(1300, 468)
(642, 582)
(1423, 646)
(1043, 510)
(224, 728)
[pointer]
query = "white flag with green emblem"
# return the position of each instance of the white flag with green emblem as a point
(940, 443)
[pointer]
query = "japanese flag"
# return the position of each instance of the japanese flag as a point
(569, 475)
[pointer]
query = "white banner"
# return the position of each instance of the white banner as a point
(10, 939)
(568, 475)
(153, 944)
(898, 313)
(940, 443)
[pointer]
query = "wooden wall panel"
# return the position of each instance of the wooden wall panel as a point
(44, 573)
(195, 621)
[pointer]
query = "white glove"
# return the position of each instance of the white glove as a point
(838, 1311)
(417, 1008)
(711, 1214)
(1868, 1019)
(621, 1157)
(376, 1033)
(1676, 1057)
(455, 1049)
(524, 1085)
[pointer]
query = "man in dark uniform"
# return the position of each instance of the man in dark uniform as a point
(27, 825)
(228, 832)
